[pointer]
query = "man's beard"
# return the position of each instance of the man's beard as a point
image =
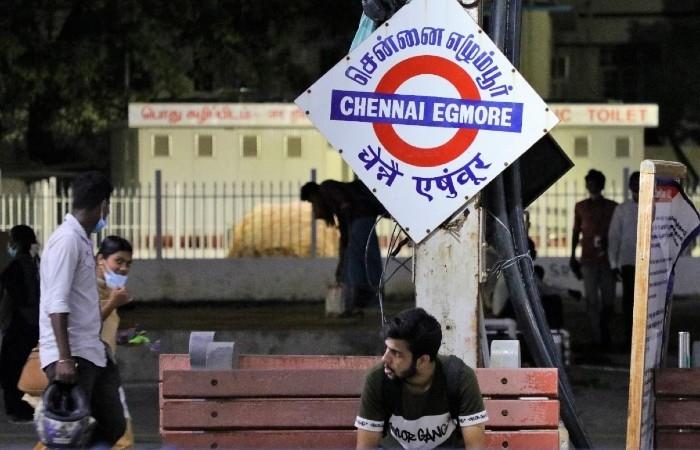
(408, 373)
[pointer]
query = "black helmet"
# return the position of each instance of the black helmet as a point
(63, 418)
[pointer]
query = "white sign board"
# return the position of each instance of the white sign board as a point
(675, 224)
(427, 111)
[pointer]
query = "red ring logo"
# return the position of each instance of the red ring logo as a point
(426, 65)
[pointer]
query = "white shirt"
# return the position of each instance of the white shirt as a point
(69, 285)
(622, 235)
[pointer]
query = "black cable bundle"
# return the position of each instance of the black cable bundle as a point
(503, 198)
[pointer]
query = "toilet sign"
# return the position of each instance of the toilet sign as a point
(427, 111)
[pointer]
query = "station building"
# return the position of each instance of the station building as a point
(208, 142)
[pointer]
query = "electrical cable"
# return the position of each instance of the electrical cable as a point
(380, 295)
(402, 265)
(369, 239)
(510, 239)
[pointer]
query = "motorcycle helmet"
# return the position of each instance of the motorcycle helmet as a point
(62, 418)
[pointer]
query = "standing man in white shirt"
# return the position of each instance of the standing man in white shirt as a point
(622, 250)
(70, 348)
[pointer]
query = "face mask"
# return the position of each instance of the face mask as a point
(99, 226)
(102, 223)
(114, 280)
(12, 251)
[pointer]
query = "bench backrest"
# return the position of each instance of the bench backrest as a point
(677, 408)
(312, 401)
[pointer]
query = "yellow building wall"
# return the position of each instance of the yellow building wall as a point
(272, 164)
(536, 50)
(601, 153)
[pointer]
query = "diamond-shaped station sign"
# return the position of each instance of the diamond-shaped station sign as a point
(427, 111)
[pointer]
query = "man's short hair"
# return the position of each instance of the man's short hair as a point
(596, 176)
(419, 329)
(634, 182)
(90, 189)
(309, 190)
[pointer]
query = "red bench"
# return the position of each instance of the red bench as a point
(276, 401)
(677, 408)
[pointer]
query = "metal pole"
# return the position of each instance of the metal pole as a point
(446, 273)
(159, 216)
(314, 237)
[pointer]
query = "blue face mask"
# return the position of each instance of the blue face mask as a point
(99, 226)
(102, 223)
(11, 250)
(114, 280)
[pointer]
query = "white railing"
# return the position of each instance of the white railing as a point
(197, 220)
(217, 220)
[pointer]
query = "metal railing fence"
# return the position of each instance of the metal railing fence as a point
(235, 219)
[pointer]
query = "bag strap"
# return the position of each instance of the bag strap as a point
(453, 368)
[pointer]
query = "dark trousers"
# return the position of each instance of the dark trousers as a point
(18, 341)
(101, 385)
(627, 273)
(362, 268)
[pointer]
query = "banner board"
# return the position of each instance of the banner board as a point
(667, 223)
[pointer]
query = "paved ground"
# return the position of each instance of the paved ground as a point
(600, 380)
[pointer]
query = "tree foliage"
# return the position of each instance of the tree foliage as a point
(68, 68)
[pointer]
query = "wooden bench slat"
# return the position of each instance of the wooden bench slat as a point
(335, 382)
(541, 382)
(512, 440)
(673, 382)
(260, 414)
(328, 413)
(522, 414)
(522, 440)
(263, 383)
(677, 439)
(182, 362)
(262, 439)
(677, 414)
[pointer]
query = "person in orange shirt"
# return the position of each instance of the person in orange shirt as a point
(592, 218)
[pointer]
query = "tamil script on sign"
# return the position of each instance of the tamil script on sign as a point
(427, 111)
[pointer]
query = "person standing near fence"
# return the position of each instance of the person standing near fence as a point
(20, 286)
(353, 209)
(622, 249)
(70, 348)
(591, 222)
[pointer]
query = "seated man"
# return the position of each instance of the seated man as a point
(415, 398)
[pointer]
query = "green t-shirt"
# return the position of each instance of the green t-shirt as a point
(421, 420)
